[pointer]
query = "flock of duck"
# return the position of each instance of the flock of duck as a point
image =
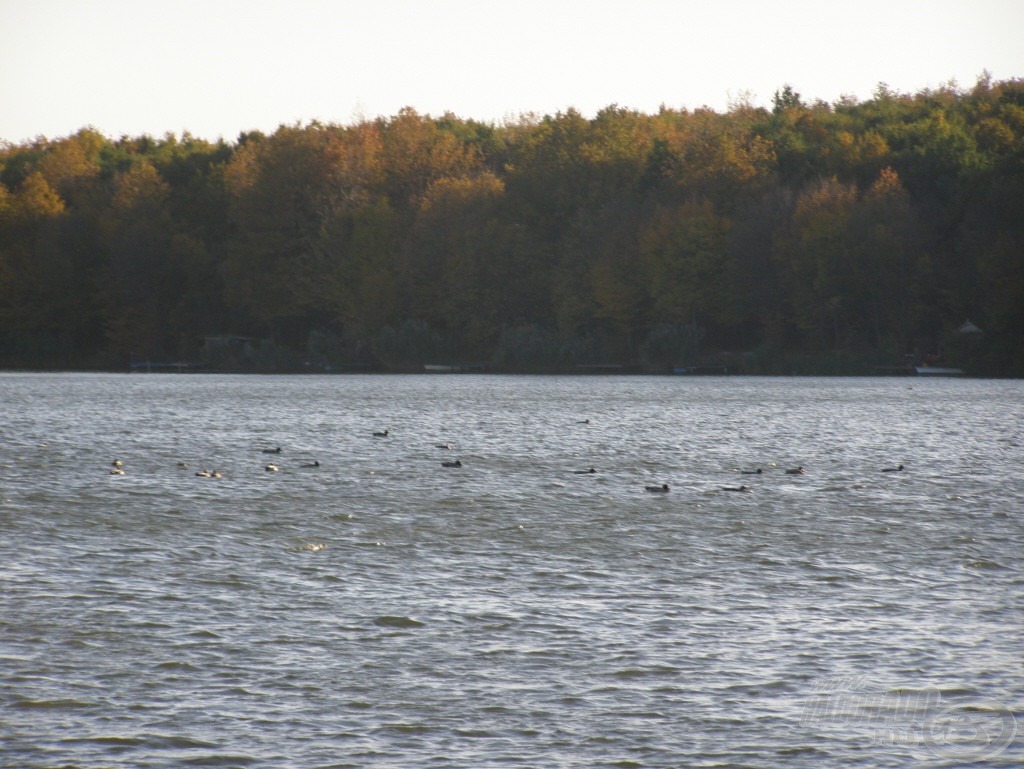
(663, 488)
(117, 467)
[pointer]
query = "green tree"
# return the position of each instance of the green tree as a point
(786, 99)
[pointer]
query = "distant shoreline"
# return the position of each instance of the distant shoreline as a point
(953, 374)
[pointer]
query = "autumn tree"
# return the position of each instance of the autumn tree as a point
(285, 190)
(414, 152)
(37, 293)
(860, 229)
(814, 257)
(691, 272)
(460, 243)
(885, 292)
(141, 281)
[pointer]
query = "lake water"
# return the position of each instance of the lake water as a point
(381, 610)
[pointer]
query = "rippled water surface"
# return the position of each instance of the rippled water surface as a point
(382, 610)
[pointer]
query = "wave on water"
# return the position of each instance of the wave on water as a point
(380, 610)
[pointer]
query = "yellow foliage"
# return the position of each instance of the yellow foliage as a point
(37, 199)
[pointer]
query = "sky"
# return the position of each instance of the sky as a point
(216, 68)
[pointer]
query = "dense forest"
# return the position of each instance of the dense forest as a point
(808, 237)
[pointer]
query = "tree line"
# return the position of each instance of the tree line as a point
(805, 237)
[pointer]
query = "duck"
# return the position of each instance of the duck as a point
(117, 463)
(203, 474)
(758, 471)
(585, 472)
(271, 468)
(796, 470)
(183, 465)
(314, 463)
(456, 463)
(583, 422)
(381, 434)
(442, 445)
(662, 489)
(735, 488)
(116, 471)
(898, 469)
(272, 451)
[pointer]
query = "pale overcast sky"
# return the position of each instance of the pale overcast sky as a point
(219, 67)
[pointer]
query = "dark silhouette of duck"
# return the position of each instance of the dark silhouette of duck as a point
(585, 472)
(735, 488)
(796, 470)
(456, 463)
(209, 474)
(442, 445)
(381, 434)
(662, 489)
(758, 471)
(272, 451)
(314, 463)
(898, 469)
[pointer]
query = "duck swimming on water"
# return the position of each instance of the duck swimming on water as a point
(899, 469)
(662, 489)
(796, 470)
(456, 463)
